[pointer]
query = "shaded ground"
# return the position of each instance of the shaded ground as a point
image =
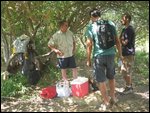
(135, 102)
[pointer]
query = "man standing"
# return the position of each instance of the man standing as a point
(103, 53)
(63, 44)
(127, 39)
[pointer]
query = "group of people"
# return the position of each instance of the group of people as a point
(63, 44)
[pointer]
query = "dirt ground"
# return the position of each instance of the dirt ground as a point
(138, 101)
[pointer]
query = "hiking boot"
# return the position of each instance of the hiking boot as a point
(128, 90)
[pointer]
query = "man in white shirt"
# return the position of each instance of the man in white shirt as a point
(63, 44)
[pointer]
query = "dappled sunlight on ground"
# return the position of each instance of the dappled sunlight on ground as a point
(138, 101)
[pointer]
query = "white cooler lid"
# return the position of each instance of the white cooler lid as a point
(79, 80)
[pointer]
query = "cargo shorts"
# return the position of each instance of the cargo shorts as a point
(127, 65)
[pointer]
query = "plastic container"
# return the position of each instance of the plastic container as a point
(80, 87)
(119, 63)
(48, 92)
(63, 89)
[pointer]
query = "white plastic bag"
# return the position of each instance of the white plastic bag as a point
(63, 89)
(119, 63)
(20, 44)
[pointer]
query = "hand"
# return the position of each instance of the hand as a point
(88, 63)
(59, 52)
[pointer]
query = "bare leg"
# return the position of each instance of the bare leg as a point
(126, 76)
(112, 88)
(74, 72)
(127, 79)
(63, 72)
(102, 87)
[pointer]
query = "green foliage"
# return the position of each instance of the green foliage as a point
(50, 76)
(80, 52)
(41, 18)
(14, 86)
(141, 65)
(41, 45)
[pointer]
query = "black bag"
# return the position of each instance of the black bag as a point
(34, 77)
(30, 69)
(105, 34)
(93, 84)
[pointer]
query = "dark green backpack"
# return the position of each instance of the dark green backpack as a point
(105, 34)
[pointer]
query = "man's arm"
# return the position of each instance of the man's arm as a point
(56, 50)
(74, 45)
(89, 50)
(124, 42)
(118, 45)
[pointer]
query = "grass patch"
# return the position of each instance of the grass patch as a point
(141, 65)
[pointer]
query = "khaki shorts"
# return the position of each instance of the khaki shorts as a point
(127, 65)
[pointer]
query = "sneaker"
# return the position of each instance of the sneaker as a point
(104, 107)
(128, 90)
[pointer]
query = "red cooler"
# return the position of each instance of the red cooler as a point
(80, 87)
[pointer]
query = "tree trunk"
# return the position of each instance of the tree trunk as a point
(5, 48)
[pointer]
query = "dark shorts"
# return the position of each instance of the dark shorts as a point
(68, 62)
(104, 68)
